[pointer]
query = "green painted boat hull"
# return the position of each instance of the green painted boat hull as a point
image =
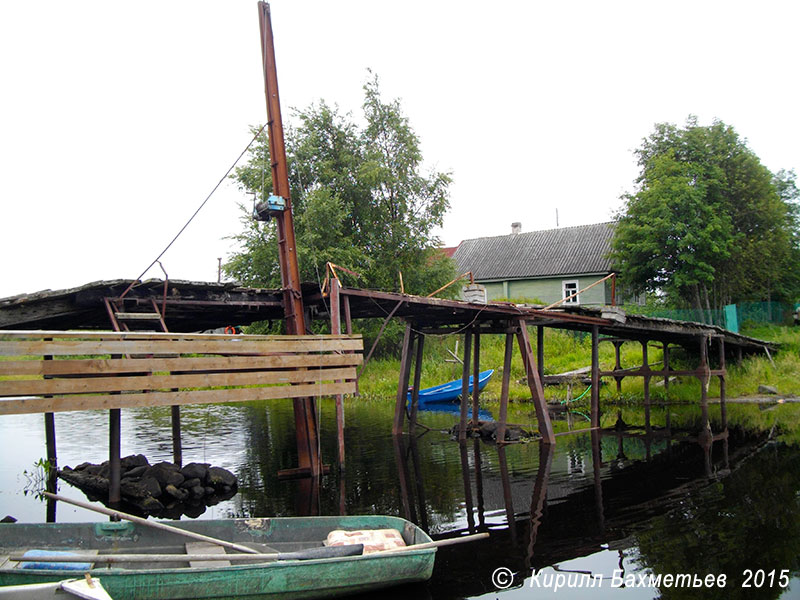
(319, 578)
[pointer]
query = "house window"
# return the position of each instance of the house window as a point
(567, 289)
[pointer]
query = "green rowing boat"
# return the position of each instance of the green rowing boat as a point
(291, 571)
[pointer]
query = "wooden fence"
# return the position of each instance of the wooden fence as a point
(47, 371)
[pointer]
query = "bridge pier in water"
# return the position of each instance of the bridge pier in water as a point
(413, 342)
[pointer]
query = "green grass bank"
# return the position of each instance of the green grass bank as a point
(566, 351)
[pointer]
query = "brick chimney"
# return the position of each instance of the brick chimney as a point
(516, 228)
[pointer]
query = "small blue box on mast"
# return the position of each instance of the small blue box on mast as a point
(273, 206)
(276, 203)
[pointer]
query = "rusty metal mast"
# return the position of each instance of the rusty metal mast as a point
(279, 207)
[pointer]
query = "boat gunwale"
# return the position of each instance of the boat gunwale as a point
(272, 564)
(400, 525)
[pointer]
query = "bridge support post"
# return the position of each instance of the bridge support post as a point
(417, 377)
(114, 437)
(501, 428)
(402, 386)
(646, 375)
(336, 329)
(618, 364)
(704, 375)
(348, 325)
(177, 445)
(595, 412)
(52, 455)
(540, 351)
(534, 383)
(476, 368)
(462, 428)
(722, 385)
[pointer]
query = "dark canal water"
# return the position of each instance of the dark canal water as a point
(617, 505)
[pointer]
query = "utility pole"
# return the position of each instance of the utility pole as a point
(279, 207)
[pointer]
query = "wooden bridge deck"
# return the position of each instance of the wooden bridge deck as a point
(198, 306)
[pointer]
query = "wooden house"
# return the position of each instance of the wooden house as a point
(546, 265)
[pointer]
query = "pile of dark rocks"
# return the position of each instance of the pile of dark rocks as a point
(162, 489)
(487, 431)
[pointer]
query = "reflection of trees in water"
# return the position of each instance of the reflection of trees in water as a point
(212, 433)
(748, 520)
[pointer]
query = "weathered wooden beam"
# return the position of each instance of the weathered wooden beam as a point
(534, 384)
(540, 351)
(595, 396)
(336, 329)
(32, 405)
(348, 326)
(402, 383)
(640, 372)
(646, 370)
(177, 444)
(617, 364)
(149, 382)
(722, 385)
(462, 428)
(160, 335)
(417, 378)
(103, 366)
(232, 346)
(114, 438)
(476, 369)
(509, 351)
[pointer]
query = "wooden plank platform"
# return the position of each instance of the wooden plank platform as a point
(52, 371)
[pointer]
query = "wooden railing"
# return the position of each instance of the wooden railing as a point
(44, 371)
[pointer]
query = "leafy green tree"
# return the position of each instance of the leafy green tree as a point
(708, 224)
(360, 200)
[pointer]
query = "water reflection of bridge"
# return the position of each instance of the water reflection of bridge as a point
(564, 512)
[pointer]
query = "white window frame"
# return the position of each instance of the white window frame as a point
(573, 301)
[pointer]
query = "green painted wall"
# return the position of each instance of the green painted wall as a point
(548, 290)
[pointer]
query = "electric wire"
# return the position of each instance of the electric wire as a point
(216, 187)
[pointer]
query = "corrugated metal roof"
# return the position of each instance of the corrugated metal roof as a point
(550, 252)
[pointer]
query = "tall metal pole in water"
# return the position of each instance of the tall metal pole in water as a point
(304, 408)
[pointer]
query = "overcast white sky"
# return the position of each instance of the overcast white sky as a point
(119, 117)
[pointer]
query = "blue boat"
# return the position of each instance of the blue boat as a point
(450, 391)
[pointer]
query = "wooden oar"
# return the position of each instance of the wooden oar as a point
(312, 553)
(153, 524)
(309, 554)
(437, 543)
